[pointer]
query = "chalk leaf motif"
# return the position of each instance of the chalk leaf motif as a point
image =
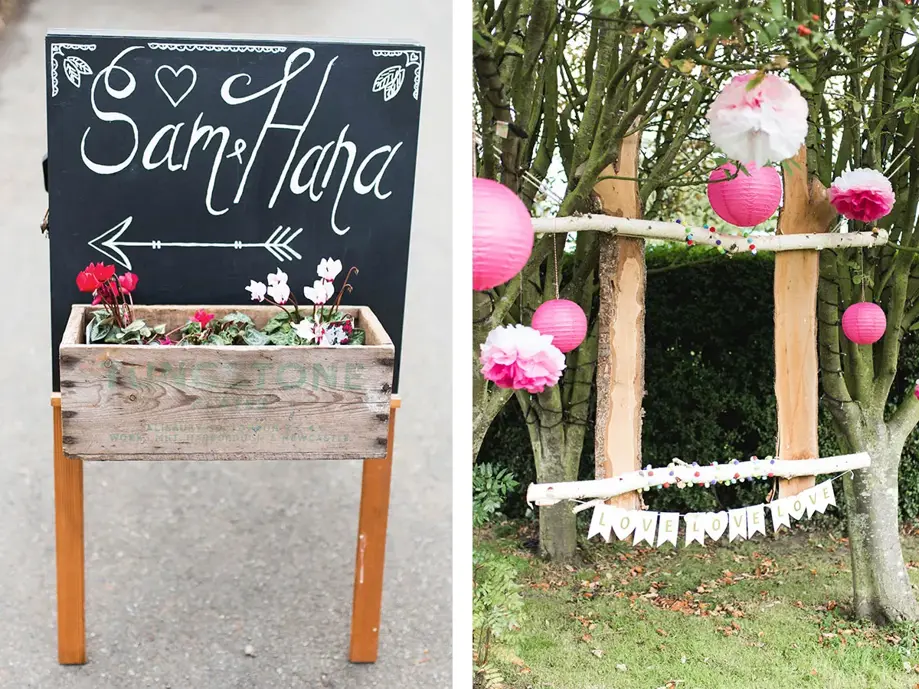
(389, 81)
(74, 67)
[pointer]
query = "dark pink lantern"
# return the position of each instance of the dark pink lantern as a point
(748, 199)
(502, 234)
(864, 323)
(563, 320)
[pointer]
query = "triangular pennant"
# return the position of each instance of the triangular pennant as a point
(796, 505)
(811, 499)
(624, 522)
(668, 528)
(827, 496)
(737, 524)
(695, 531)
(780, 515)
(645, 524)
(715, 524)
(600, 523)
(756, 520)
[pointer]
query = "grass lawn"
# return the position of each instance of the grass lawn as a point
(772, 613)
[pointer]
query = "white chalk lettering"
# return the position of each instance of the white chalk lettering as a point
(106, 116)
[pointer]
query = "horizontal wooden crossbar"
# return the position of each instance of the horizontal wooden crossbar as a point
(732, 243)
(545, 494)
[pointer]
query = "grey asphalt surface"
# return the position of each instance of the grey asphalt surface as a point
(187, 563)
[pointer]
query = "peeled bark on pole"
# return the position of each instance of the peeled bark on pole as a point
(621, 349)
(805, 210)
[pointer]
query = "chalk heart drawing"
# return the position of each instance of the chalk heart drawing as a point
(175, 82)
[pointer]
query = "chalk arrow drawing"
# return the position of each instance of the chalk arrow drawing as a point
(278, 244)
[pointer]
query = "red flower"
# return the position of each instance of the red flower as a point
(803, 30)
(815, 17)
(128, 282)
(87, 282)
(100, 271)
(203, 317)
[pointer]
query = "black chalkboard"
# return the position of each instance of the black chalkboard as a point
(201, 162)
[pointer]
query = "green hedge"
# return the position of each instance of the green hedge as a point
(709, 382)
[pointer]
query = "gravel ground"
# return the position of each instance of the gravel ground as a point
(189, 566)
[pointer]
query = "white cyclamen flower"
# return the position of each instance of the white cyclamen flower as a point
(766, 123)
(329, 268)
(320, 292)
(280, 292)
(304, 330)
(279, 278)
(257, 290)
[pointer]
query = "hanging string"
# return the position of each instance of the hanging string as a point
(555, 257)
(861, 256)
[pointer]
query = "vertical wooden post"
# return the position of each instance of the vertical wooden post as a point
(371, 550)
(805, 210)
(68, 526)
(621, 345)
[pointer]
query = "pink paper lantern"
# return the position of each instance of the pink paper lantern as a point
(502, 234)
(864, 323)
(563, 320)
(746, 200)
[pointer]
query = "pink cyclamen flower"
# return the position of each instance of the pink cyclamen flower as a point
(862, 194)
(203, 317)
(520, 358)
(766, 123)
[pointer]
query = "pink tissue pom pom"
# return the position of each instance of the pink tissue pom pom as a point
(520, 358)
(767, 123)
(862, 194)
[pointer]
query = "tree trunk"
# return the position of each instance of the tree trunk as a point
(881, 586)
(558, 535)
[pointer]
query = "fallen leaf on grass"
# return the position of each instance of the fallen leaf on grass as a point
(662, 632)
(597, 652)
(621, 667)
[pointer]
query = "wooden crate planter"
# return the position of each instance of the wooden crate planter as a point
(151, 402)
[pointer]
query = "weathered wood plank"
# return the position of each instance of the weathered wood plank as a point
(69, 549)
(371, 550)
(621, 346)
(806, 210)
(148, 402)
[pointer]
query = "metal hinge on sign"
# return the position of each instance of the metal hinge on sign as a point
(44, 224)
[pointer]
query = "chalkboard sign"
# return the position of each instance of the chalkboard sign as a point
(202, 162)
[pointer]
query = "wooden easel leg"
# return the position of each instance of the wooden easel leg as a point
(371, 549)
(68, 525)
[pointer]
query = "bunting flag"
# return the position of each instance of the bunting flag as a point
(657, 528)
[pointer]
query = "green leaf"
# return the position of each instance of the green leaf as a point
(873, 27)
(237, 317)
(135, 326)
(478, 37)
(277, 321)
(755, 81)
(357, 337)
(800, 80)
(160, 329)
(255, 337)
(777, 7)
(646, 11)
(284, 337)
